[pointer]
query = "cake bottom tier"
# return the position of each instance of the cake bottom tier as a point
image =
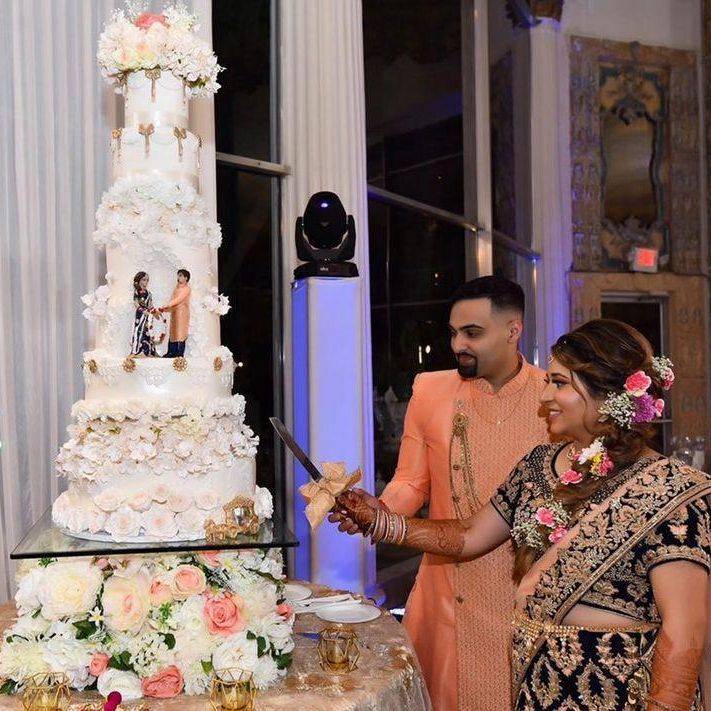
(150, 625)
(168, 507)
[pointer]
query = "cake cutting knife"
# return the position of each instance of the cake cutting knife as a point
(298, 453)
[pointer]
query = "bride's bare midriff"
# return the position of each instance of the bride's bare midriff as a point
(585, 616)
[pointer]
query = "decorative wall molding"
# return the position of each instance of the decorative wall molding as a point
(685, 299)
(676, 71)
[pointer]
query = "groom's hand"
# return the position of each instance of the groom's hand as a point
(340, 514)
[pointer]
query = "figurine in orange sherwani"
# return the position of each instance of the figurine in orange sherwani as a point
(179, 307)
(465, 430)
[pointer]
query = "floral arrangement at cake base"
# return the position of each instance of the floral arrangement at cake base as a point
(154, 626)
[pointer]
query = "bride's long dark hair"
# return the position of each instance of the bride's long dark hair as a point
(601, 354)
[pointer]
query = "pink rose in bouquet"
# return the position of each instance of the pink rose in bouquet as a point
(164, 684)
(187, 580)
(146, 19)
(160, 593)
(285, 610)
(223, 614)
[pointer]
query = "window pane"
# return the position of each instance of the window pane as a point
(245, 276)
(413, 87)
(240, 35)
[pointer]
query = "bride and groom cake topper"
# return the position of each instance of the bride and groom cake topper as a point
(148, 324)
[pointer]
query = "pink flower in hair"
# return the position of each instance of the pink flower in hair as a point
(545, 517)
(571, 477)
(659, 407)
(668, 379)
(638, 383)
(645, 409)
(558, 534)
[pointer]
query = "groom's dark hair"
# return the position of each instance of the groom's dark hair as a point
(504, 294)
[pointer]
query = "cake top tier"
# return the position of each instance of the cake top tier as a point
(136, 41)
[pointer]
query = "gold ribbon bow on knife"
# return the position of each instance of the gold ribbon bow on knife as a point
(321, 495)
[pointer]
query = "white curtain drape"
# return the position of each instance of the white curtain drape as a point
(56, 115)
(55, 120)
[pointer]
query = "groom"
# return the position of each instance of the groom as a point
(179, 307)
(465, 429)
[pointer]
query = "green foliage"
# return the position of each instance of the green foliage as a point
(207, 666)
(283, 661)
(121, 661)
(85, 629)
(9, 687)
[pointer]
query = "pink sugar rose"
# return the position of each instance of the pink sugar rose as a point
(659, 407)
(98, 664)
(187, 580)
(164, 684)
(146, 19)
(545, 517)
(160, 593)
(638, 383)
(558, 534)
(102, 563)
(285, 610)
(223, 614)
(571, 477)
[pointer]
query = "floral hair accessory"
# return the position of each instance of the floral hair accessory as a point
(663, 368)
(592, 460)
(634, 405)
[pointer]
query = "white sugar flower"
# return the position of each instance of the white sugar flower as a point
(263, 502)
(215, 302)
(124, 523)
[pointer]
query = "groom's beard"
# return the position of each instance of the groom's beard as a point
(467, 365)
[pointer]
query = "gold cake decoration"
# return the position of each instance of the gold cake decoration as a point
(180, 364)
(238, 518)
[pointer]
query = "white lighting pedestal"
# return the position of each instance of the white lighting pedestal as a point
(328, 418)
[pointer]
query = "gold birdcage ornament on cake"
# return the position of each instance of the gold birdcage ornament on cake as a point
(238, 518)
(232, 689)
(338, 649)
(46, 692)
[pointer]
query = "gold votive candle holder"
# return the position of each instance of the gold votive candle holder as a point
(338, 649)
(232, 690)
(46, 692)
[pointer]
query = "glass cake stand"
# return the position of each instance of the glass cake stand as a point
(45, 540)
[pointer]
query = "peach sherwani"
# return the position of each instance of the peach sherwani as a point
(460, 442)
(179, 307)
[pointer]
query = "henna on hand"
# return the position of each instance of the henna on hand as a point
(675, 673)
(352, 505)
(439, 537)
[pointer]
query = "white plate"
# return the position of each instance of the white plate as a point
(355, 613)
(294, 592)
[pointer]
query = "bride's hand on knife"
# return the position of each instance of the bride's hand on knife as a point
(355, 511)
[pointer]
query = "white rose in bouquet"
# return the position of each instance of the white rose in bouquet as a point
(69, 589)
(126, 683)
(126, 602)
(237, 652)
(27, 595)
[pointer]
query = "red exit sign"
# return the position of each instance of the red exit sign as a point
(644, 259)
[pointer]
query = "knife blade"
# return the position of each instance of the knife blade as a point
(298, 453)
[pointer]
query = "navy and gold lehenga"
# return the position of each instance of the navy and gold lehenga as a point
(652, 512)
(141, 341)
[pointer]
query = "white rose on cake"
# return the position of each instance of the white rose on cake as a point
(192, 523)
(263, 503)
(109, 499)
(126, 683)
(69, 589)
(160, 521)
(124, 523)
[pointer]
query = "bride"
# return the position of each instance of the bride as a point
(612, 540)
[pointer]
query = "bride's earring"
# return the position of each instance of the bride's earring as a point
(603, 418)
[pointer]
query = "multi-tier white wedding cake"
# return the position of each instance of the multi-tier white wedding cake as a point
(159, 444)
